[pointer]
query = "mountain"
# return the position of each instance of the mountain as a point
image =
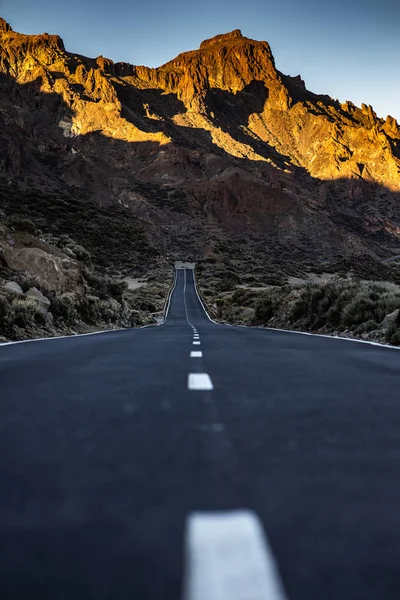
(214, 156)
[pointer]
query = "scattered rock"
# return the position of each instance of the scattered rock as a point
(37, 295)
(13, 286)
(389, 320)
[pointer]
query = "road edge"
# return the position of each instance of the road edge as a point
(76, 335)
(323, 335)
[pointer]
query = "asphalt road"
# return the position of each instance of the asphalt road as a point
(105, 451)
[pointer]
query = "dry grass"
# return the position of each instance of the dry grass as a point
(367, 309)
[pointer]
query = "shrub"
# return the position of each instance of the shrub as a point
(226, 284)
(366, 327)
(64, 309)
(341, 304)
(371, 302)
(25, 311)
(393, 333)
(20, 223)
(108, 313)
(74, 250)
(81, 254)
(267, 306)
(88, 309)
(143, 303)
(116, 288)
(243, 297)
(5, 313)
(105, 286)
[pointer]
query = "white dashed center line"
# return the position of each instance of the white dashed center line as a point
(196, 381)
(199, 381)
(229, 558)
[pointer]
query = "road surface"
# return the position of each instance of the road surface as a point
(107, 446)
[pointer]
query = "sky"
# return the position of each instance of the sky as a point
(349, 49)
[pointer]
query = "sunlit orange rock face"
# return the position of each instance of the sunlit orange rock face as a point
(244, 147)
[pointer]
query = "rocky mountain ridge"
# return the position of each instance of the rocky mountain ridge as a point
(215, 154)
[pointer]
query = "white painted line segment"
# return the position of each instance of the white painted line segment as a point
(196, 354)
(196, 343)
(199, 381)
(229, 558)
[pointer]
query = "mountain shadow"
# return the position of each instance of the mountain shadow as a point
(132, 203)
(231, 113)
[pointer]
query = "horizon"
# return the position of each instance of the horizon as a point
(315, 42)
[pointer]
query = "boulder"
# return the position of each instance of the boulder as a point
(50, 271)
(37, 295)
(389, 320)
(13, 286)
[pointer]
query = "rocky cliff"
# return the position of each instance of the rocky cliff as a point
(214, 154)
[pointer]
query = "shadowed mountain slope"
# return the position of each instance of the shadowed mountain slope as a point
(215, 154)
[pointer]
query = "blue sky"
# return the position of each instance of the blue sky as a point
(347, 49)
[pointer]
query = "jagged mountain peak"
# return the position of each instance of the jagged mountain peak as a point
(222, 38)
(4, 26)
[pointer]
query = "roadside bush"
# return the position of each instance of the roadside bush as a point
(88, 309)
(17, 311)
(267, 306)
(371, 302)
(64, 309)
(25, 312)
(145, 304)
(338, 305)
(109, 313)
(370, 325)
